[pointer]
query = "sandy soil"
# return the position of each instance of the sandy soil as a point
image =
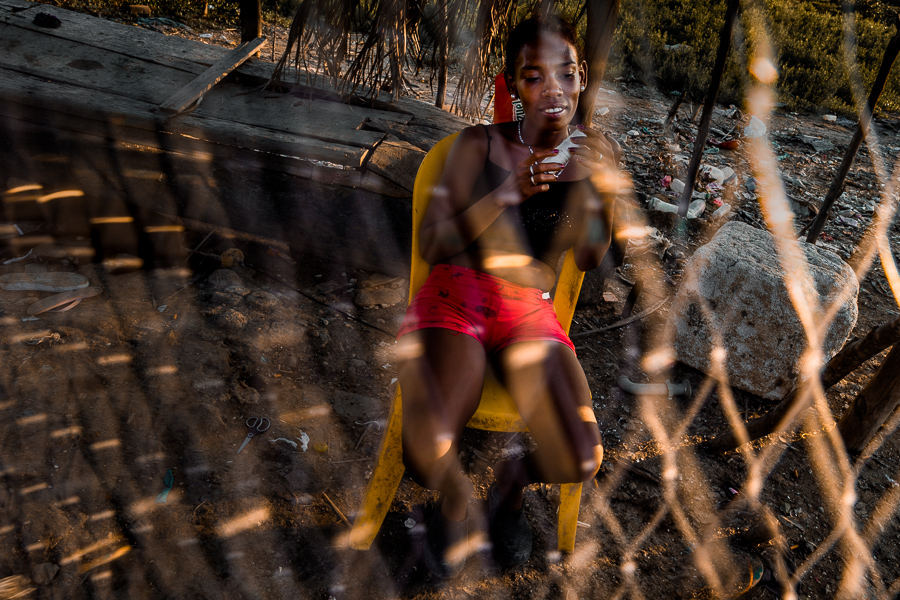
(159, 374)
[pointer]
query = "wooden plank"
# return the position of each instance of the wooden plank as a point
(421, 137)
(396, 161)
(326, 121)
(69, 62)
(82, 110)
(133, 41)
(190, 93)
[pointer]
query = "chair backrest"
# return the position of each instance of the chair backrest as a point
(568, 284)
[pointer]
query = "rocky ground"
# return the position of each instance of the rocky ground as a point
(147, 388)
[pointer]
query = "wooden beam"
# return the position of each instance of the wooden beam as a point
(873, 405)
(189, 94)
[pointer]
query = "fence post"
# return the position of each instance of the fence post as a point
(251, 19)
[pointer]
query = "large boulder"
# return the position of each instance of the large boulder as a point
(734, 290)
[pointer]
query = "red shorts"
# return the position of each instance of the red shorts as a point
(494, 311)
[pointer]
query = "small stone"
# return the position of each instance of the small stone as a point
(222, 279)
(44, 573)
(245, 394)
(231, 320)
(261, 300)
(368, 298)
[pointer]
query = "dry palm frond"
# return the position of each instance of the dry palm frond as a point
(380, 61)
(493, 22)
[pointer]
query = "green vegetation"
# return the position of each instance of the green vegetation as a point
(818, 50)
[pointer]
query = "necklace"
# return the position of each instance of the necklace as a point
(523, 141)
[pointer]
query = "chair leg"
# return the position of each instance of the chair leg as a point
(569, 503)
(383, 483)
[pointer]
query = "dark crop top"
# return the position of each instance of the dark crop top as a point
(541, 216)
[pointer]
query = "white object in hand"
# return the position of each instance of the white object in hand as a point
(565, 148)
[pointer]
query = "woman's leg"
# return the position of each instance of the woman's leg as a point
(551, 392)
(441, 375)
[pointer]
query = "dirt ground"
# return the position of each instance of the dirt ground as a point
(154, 379)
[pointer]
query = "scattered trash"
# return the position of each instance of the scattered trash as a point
(728, 176)
(695, 208)
(750, 184)
(206, 35)
(717, 201)
(677, 186)
(169, 481)
(711, 173)
(43, 282)
(665, 182)
(256, 425)
(654, 389)
(18, 258)
(724, 144)
(47, 20)
(603, 111)
(291, 442)
(755, 129)
(829, 118)
(320, 447)
(633, 133)
(162, 307)
(409, 523)
(64, 301)
(304, 441)
(721, 212)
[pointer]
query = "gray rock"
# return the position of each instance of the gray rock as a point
(222, 279)
(378, 297)
(44, 573)
(734, 290)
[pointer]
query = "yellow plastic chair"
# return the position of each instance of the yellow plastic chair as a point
(496, 412)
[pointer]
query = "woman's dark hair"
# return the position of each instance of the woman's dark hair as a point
(530, 30)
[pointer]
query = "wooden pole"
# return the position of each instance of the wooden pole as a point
(711, 95)
(251, 20)
(602, 16)
(842, 364)
(873, 405)
(443, 42)
(862, 129)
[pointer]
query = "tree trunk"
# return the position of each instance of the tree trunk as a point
(873, 405)
(602, 16)
(443, 42)
(837, 185)
(709, 104)
(251, 20)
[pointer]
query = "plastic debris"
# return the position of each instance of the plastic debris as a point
(829, 118)
(291, 442)
(677, 186)
(721, 212)
(169, 481)
(304, 441)
(18, 258)
(409, 523)
(603, 111)
(755, 129)
(695, 208)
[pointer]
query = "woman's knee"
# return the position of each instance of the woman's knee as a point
(428, 459)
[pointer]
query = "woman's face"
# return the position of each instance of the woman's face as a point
(548, 80)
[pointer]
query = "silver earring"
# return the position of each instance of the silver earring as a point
(582, 88)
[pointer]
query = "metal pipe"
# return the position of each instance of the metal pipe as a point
(654, 389)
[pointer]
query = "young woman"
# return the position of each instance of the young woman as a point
(495, 230)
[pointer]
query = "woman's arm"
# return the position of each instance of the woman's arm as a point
(452, 221)
(599, 155)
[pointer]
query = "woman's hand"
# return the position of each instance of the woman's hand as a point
(529, 177)
(597, 154)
